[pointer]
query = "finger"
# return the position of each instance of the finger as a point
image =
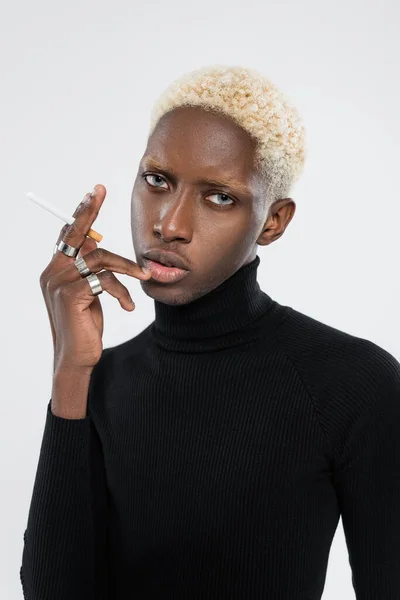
(81, 292)
(88, 246)
(99, 259)
(75, 235)
(80, 208)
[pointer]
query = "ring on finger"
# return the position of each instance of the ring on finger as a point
(66, 249)
(95, 284)
(82, 267)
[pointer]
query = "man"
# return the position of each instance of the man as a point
(223, 443)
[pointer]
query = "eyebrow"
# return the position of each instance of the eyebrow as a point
(169, 172)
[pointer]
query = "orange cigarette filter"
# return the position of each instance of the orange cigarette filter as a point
(97, 237)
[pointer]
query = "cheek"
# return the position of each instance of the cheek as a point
(139, 218)
(219, 249)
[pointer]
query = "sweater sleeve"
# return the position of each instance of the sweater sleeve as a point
(367, 479)
(64, 553)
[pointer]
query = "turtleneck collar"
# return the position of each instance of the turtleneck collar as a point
(227, 316)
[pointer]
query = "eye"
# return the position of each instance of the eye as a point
(224, 196)
(146, 175)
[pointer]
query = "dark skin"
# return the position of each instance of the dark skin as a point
(171, 210)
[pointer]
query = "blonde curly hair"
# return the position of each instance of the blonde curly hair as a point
(254, 103)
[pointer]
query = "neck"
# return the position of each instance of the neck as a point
(226, 316)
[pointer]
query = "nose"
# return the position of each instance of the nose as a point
(176, 217)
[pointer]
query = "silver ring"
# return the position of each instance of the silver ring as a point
(95, 284)
(66, 249)
(82, 267)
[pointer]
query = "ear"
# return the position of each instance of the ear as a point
(280, 214)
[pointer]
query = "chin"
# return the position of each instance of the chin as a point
(166, 294)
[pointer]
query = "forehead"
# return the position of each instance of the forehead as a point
(192, 141)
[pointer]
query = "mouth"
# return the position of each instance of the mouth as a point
(164, 273)
(166, 258)
(165, 266)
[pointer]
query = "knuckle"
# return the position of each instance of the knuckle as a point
(46, 286)
(62, 292)
(73, 228)
(69, 231)
(51, 284)
(98, 254)
(107, 277)
(46, 280)
(43, 278)
(64, 233)
(65, 230)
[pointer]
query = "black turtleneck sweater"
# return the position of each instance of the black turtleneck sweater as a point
(221, 446)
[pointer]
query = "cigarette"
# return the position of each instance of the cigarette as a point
(61, 215)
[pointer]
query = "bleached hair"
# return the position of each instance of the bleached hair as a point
(254, 103)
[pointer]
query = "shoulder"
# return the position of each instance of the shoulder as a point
(350, 380)
(320, 347)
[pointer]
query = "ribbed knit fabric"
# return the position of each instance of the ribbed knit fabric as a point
(221, 446)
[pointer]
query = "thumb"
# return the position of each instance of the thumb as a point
(88, 245)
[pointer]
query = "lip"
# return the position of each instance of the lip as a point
(164, 257)
(164, 274)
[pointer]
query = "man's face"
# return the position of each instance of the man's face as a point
(214, 228)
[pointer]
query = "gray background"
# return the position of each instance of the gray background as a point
(78, 82)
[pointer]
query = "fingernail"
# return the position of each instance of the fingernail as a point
(94, 191)
(146, 270)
